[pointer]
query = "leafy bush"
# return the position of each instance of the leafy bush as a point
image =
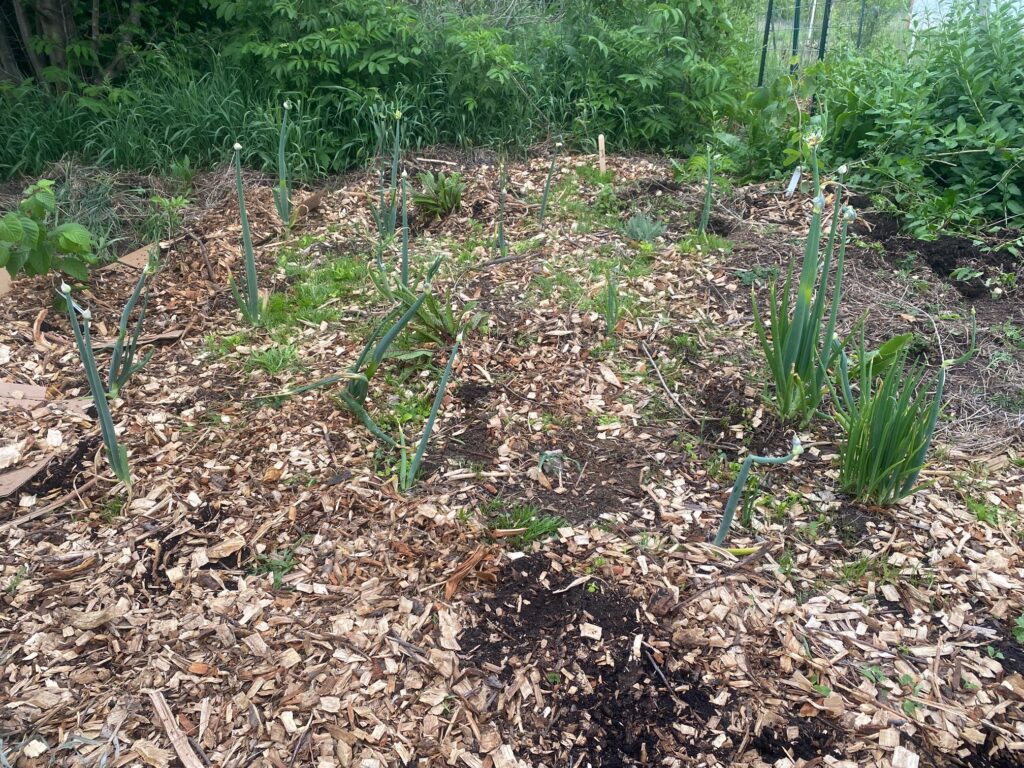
(29, 244)
(649, 74)
(939, 135)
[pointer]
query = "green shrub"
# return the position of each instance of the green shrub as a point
(939, 135)
(648, 74)
(29, 244)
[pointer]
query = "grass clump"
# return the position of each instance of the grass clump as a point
(527, 524)
(274, 359)
(441, 194)
(888, 418)
(643, 228)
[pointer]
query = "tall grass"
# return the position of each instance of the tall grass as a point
(458, 75)
(166, 111)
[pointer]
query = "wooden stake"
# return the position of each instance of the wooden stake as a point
(600, 152)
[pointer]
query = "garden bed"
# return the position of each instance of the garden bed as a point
(266, 596)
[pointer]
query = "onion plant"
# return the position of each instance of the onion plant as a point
(500, 241)
(612, 308)
(741, 480)
(282, 199)
(117, 455)
(405, 229)
(436, 320)
(547, 182)
(250, 305)
(356, 391)
(709, 188)
(122, 361)
(385, 213)
(888, 417)
(409, 469)
(798, 350)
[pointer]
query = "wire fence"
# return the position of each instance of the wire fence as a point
(795, 33)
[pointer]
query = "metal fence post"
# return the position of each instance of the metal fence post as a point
(825, 18)
(764, 43)
(794, 60)
(860, 24)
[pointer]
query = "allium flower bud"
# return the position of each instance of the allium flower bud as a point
(843, 169)
(237, 147)
(86, 315)
(65, 288)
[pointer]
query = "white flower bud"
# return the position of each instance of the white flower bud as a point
(86, 315)
(813, 138)
(818, 203)
(237, 147)
(558, 145)
(287, 104)
(65, 288)
(843, 169)
(849, 214)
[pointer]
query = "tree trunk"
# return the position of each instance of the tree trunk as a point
(26, 41)
(128, 32)
(9, 69)
(53, 24)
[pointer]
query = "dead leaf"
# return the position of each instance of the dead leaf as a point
(609, 375)
(452, 584)
(151, 754)
(228, 546)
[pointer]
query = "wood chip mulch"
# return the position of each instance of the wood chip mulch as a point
(265, 595)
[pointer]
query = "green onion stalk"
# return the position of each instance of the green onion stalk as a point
(547, 182)
(281, 195)
(122, 360)
(741, 480)
(249, 305)
(799, 352)
(117, 455)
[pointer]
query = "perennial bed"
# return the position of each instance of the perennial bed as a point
(265, 594)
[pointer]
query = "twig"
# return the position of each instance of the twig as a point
(664, 386)
(49, 507)
(174, 733)
(668, 685)
(303, 739)
(202, 254)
